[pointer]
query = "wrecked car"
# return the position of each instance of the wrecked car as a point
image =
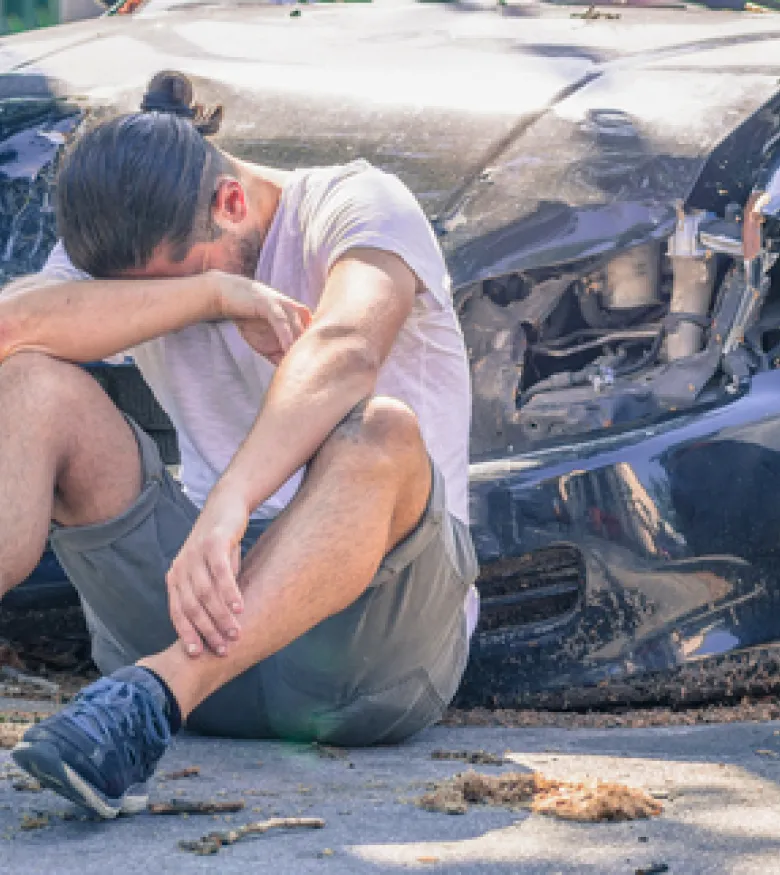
(605, 185)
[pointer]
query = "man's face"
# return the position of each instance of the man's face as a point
(235, 244)
(233, 252)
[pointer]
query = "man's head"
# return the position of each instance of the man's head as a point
(146, 195)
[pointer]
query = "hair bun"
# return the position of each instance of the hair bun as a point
(171, 92)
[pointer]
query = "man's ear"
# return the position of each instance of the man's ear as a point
(229, 205)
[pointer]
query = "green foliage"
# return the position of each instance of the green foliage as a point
(23, 15)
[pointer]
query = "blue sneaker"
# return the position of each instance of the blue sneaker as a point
(103, 744)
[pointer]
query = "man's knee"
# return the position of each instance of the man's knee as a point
(385, 428)
(38, 365)
(64, 414)
(41, 382)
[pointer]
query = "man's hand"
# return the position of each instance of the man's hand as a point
(203, 596)
(269, 321)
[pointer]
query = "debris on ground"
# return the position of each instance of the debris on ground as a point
(211, 843)
(653, 869)
(51, 645)
(34, 821)
(186, 772)
(188, 806)
(593, 14)
(759, 710)
(567, 800)
(327, 752)
(15, 676)
(596, 803)
(14, 724)
(27, 785)
(27, 688)
(19, 681)
(11, 734)
(472, 757)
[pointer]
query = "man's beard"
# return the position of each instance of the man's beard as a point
(245, 253)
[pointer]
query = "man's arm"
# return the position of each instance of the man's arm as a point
(87, 320)
(333, 367)
(367, 298)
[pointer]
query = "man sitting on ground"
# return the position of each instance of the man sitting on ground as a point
(312, 576)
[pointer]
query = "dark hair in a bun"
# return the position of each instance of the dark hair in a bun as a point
(171, 92)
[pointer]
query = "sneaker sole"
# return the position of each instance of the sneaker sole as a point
(44, 763)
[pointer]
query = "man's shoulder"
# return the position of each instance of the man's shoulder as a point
(328, 175)
(357, 181)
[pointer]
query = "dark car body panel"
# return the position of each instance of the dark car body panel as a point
(533, 139)
(678, 529)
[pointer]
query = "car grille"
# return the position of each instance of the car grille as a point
(531, 594)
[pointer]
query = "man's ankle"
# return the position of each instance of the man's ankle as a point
(172, 709)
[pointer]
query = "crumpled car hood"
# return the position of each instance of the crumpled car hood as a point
(531, 136)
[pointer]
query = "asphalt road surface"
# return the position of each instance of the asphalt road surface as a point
(720, 787)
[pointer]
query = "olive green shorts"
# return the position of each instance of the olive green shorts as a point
(377, 672)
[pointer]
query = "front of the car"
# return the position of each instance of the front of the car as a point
(604, 182)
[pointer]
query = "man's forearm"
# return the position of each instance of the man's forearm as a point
(318, 383)
(84, 321)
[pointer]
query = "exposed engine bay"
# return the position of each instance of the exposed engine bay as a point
(650, 332)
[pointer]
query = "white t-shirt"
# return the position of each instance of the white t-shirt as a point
(212, 384)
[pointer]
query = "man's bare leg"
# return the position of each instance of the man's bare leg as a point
(365, 491)
(66, 453)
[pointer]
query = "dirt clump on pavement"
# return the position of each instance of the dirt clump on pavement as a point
(14, 724)
(178, 774)
(39, 820)
(472, 757)
(532, 791)
(25, 784)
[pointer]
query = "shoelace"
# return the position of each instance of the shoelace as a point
(111, 710)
